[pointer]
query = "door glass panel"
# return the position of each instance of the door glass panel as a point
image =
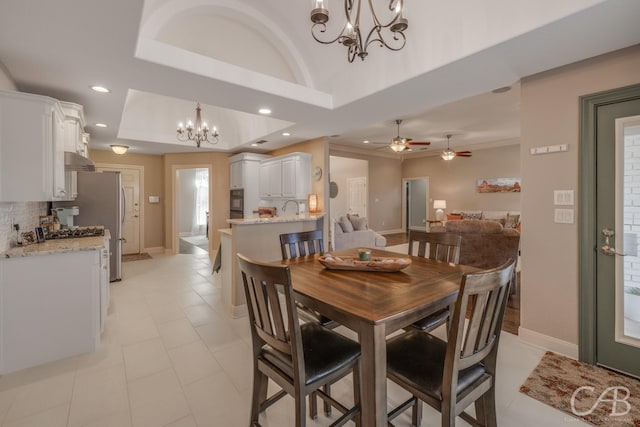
(628, 230)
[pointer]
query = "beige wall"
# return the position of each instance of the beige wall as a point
(455, 181)
(153, 186)
(385, 195)
(550, 115)
(218, 195)
(319, 150)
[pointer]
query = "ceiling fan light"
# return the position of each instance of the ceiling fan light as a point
(397, 147)
(119, 149)
(448, 154)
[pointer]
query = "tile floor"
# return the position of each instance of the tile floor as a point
(171, 357)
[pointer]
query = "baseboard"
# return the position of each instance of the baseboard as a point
(155, 250)
(398, 230)
(237, 311)
(547, 342)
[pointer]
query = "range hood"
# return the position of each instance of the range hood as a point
(76, 162)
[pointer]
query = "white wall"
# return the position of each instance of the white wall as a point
(385, 190)
(24, 214)
(550, 115)
(340, 170)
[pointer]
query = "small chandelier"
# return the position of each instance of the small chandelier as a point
(198, 133)
(351, 35)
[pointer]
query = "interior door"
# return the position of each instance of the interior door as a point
(617, 215)
(357, 191)
(131, 225)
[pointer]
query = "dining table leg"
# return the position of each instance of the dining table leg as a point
(374, 375)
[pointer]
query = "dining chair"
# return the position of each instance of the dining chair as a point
(294, 245)
(443, 247)
(300, 244)
(450, 375)
(301, 359)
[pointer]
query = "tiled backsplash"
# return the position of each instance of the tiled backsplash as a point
(26, 214)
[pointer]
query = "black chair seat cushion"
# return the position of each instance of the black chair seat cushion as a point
(325, 352)
(432, 320)
(417, 358)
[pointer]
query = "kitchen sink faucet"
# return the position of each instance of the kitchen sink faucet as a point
(284, 207)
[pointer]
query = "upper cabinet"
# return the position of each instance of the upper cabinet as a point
(287, 176)
(73, 128)
(244, 169)
(31, 148)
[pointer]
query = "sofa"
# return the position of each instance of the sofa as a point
(485, 243)
(352, 231)
(508, 219)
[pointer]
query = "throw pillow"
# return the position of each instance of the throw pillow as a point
(452, 217)
(471, 214)
(512, 221)
(358, 222)
(346, 225)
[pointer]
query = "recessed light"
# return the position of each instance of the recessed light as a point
(365, 142)
(101, 125)
(502, 89)
(286, 134)
(100, 89)
(264, 111)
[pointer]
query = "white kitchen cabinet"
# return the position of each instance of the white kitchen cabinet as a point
(244, 171)
(287, 176)
(73, 127)
(50, 307)
(31, 148)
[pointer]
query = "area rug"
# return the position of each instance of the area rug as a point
(590, 393)
(136, 257)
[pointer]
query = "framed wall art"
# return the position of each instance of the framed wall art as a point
(498, 185)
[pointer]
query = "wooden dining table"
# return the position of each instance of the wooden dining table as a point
(375, 304)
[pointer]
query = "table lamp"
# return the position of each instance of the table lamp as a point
(439, 205)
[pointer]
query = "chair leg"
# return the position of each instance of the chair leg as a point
(416, 412)
(313, 406)
(301, 409)
(259, 395)
(489, 401)
(327, 407)
(448, 415)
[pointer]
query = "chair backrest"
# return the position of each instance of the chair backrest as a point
(273, 320)
(442, 246)
(293, 244)
(483, 296)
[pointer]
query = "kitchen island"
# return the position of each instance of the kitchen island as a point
(53, 300)
(259, 239)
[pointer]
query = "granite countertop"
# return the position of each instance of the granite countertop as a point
(276, 219)
(49, 247)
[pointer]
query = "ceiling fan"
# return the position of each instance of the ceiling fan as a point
(449, 154)
(399, 144)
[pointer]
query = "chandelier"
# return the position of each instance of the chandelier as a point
(197, 133)
(390, 35)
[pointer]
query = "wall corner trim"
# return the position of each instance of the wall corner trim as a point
(547, 342)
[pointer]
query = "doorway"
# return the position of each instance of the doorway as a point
(610, 135)
(415, 203)
(192, 209)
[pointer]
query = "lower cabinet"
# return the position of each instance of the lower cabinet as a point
(50, 307)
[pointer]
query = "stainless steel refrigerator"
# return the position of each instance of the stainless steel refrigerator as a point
(101, 202)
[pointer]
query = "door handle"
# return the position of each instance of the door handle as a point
(606, 248)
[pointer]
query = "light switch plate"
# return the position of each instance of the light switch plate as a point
(563, 216)
(563, 197)
(154, 199)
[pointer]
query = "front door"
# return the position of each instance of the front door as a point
(357, 190)
(617, 215)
